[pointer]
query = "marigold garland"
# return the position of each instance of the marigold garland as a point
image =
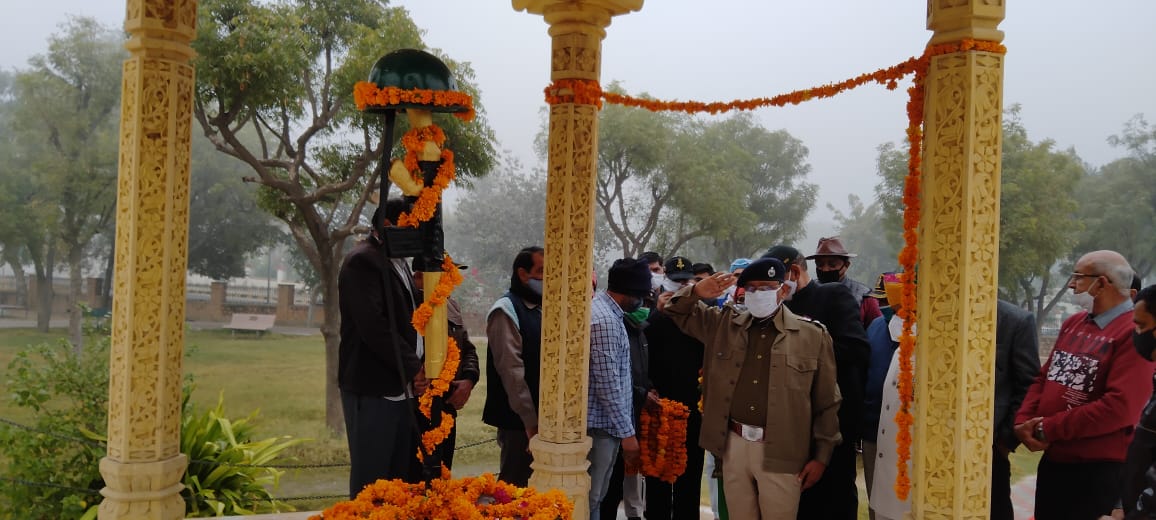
(367, 94)
(662, 439)
(582, 90)
(439, 385)
(475, 498)
(427, 201)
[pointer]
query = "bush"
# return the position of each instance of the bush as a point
(68, 391)
(223, 477)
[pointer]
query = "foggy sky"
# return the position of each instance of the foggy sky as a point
(1079, 69)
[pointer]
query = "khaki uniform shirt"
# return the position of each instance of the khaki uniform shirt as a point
(802, 396)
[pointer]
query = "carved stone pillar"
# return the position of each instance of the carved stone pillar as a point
(576, 30)
(144, 465)
(958, 259)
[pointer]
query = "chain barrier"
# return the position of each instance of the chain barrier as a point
(99, 444)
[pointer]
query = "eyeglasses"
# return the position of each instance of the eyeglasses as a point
(1077, 276)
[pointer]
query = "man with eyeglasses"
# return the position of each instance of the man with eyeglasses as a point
(1082, 408)
(770, 400)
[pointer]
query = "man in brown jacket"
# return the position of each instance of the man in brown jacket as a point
(770, 400)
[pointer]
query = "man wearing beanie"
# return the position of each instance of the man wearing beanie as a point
(770, 400)
(610, 421)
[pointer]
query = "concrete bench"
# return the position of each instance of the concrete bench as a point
(258, 323)
(6, 310)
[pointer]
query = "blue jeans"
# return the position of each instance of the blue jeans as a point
(603, 451)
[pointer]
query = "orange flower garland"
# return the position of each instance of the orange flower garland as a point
(438, 386)
(910, 253)
(662, 439)
(476, 498)
(367, 94)
(583, 90)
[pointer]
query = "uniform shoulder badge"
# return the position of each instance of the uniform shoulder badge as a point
(812, 321)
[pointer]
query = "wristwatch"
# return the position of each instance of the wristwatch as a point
(1039, 432)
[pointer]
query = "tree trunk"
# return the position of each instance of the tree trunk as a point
(331, 331)
(13, 261)
(44, 292)
(75, 313)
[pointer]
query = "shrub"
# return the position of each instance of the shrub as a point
(68, 392)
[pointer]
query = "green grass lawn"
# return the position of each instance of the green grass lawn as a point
(282, 377)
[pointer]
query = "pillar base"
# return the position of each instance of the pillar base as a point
(563, 467)
(143, 490)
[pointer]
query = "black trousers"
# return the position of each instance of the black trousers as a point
(1001, 503)
(381, 438)
(613, 497)
(1141, 455)
(681, 500)
(515, 458)
(835, 496)
(1076, 491)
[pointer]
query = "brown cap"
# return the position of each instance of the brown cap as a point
(831, 246)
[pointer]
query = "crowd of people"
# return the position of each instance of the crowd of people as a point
(789, 379)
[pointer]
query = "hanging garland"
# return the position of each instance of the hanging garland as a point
(662, 439)
(589, 91)
(368, 94)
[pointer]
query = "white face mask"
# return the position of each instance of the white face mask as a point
(656, 280)
(792, 286)
(669, 285)
(762, 303)
(895, 327)
(1085, 300)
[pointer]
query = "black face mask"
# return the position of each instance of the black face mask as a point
(1145, 343)
(827, 276)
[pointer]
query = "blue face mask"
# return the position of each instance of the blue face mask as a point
(535, 285)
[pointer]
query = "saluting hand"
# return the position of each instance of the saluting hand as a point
(714, 286)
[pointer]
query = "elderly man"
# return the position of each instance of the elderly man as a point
(1082, 408)
(770, 400)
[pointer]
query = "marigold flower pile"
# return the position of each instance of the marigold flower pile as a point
(662, 439)
(474, 498)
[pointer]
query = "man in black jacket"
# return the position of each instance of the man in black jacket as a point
(835, 496)
(1017, 362)
(379, 359)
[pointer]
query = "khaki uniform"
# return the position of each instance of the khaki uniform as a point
(802, 402)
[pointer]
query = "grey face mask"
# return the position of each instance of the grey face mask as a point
(535, 285)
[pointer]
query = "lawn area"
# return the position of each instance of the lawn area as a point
(282, 378)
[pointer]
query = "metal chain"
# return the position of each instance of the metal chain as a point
(49, 485)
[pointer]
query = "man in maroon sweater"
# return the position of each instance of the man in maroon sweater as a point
(1083, 406)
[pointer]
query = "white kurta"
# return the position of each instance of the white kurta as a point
(883, 500)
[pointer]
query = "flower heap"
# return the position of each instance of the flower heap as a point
(476, 498)
(590, 92)
(662, 440)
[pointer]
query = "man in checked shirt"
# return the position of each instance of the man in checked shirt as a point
(609, 421)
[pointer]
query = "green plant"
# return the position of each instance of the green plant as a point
(225, 476)
(67, 392)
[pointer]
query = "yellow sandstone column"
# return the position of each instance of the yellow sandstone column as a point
(958, 257)
(577, 28)
(144, 465)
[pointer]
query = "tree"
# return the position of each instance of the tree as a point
(862, 232)
(66, 118)
(1037, 211)
(225, 223)
(285, 72)
(1118, 202)
(503, 213)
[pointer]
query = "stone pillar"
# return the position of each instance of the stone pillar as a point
(285, 295)
(576, 30)
(92, 288)
(144, 465)
(958, 259)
